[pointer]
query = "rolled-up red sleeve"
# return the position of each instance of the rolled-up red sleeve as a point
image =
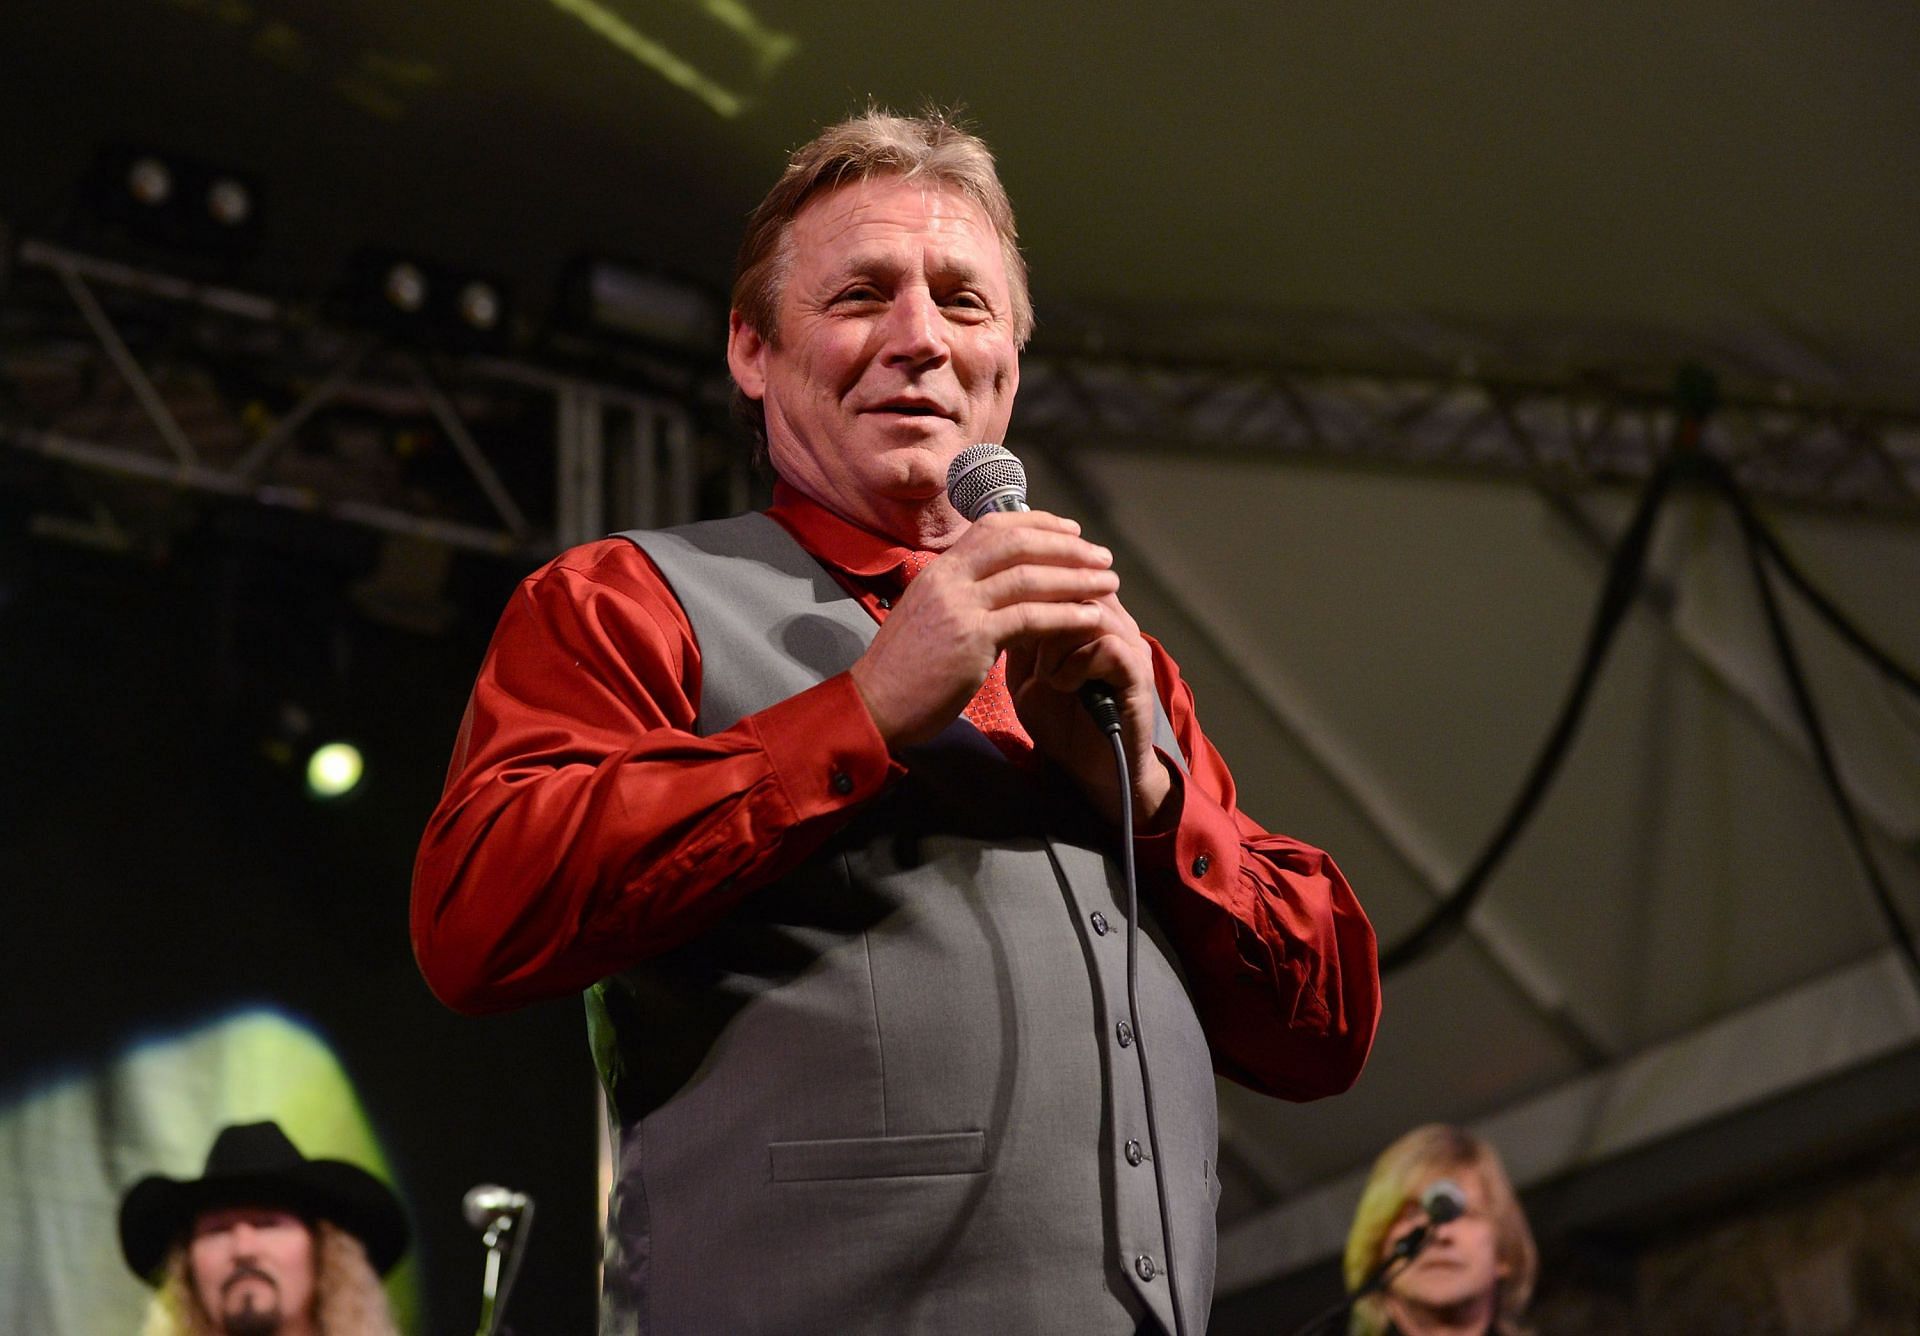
(584, 826)
(1279, 955)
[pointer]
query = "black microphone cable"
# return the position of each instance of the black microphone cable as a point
(989, 477)
(1098, 698)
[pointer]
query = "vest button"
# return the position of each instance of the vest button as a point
(1144, 1268)
(1125, 1033)
(842, 782)
(1201, 864)
(1134, 1155)
(1099, 923)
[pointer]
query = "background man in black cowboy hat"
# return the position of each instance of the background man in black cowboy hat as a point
(264, 1243)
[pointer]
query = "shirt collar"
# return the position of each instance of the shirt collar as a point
(838, 543)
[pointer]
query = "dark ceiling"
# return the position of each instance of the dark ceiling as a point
(1540, 189)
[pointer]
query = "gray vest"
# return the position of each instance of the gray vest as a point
(893, 1092)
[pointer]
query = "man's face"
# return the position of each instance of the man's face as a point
(895, 351)
(253, 1269)
(1460, 1264)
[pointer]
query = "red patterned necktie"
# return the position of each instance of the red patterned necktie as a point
(991, 709)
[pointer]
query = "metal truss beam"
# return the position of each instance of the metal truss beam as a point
(1826, 455)
(620, 456)
(1567, 434)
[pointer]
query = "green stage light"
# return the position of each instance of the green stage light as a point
(335, 770)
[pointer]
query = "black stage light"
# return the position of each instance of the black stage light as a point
(173, 200)
(229, 202)
(644, 304)
(480, 306)
(149, 181)
(425, 302)
(406, 287)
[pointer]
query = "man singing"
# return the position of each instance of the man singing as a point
(808, 804)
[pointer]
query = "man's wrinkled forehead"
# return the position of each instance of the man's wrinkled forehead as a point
(856, 229)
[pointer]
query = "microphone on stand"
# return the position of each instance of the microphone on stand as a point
(489, 1202)
(505, 1218)
(986, 478)
(1442, 1201)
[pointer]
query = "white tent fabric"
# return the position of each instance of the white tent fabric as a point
(1380, 657)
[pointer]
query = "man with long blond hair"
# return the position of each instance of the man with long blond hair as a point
(264, 1243)
(1474, 1274)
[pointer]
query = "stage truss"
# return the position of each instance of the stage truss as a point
(125, 371)
(1563, 435)
(112, 369)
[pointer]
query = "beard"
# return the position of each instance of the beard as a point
(251, 1320)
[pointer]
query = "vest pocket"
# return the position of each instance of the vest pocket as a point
(879, 1157)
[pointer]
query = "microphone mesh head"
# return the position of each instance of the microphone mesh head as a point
(1443, 1201)
(980, 472)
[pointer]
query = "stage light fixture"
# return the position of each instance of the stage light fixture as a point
(152, 196)
(229, 202)
(406, 287)
(425, 302)
(330, 767)
(643, 304)
(480, 306)
(149, 181)
(335, 770)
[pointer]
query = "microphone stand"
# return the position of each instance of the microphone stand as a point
(505, 1242)
(1396, 1260)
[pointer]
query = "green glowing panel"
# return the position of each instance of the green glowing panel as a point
(768, 49)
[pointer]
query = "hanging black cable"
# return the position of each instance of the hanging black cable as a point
(1803, 702)
(1829, 611)
(1625, 568)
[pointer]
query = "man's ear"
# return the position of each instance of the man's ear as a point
(746, 356)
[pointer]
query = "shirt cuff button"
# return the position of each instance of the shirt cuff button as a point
(842, 782)
(1201, 864)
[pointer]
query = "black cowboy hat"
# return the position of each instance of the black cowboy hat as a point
(255, 1165)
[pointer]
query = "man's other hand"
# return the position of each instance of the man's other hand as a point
(1045, 674)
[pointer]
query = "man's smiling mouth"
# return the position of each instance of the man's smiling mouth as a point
(911, 410)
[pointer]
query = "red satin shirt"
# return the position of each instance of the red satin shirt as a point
(585, 827)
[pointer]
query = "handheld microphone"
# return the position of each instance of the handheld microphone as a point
(985, 478)
(988, 477)
(490, 1203)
